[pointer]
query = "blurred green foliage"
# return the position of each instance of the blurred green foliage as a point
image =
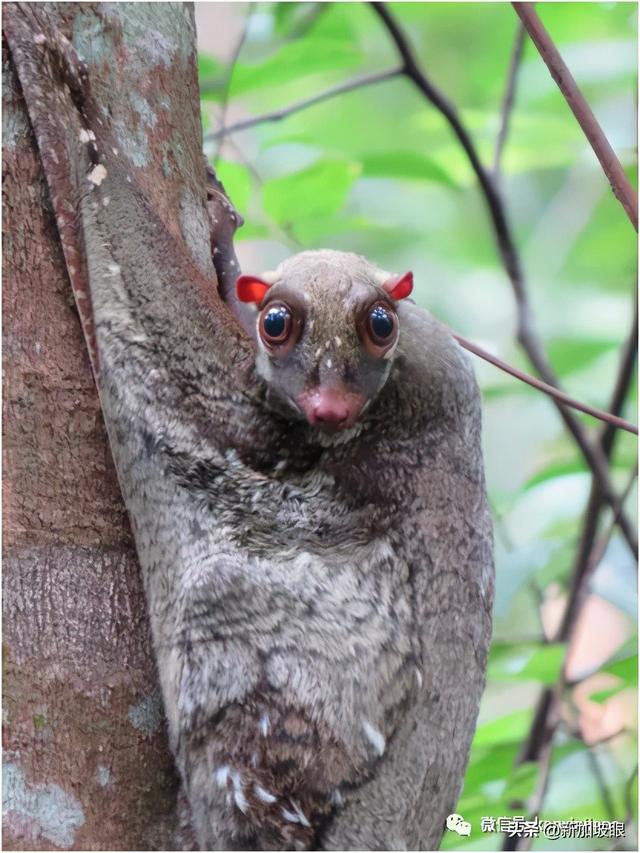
(378, 171)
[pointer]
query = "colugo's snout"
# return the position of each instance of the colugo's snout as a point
(331, 408)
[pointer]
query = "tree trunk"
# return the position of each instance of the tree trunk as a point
(86, 762)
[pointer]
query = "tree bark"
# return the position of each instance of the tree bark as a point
(86, 762)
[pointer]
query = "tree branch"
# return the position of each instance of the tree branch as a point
(612, 420)
(509, 96)
(527, 334)
(277, 115)
(611, 166)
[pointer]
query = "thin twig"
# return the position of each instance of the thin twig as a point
(509, 96)
(235, 56)
(595, 504)
(277, 115)
(527, 334)
(560, 396)
(602, 741)
(601, 784)
(611, 166)
(574, 605)
(628, 794)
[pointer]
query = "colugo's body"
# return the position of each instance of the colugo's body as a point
(308, 507)
(319, 581)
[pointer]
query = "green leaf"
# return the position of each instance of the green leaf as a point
(488, 765)
(523, 780)
(252, 231)
(626, 669)
(555, 469)
(315, 192)
(570, 354)
(526, 662)
(294, 61)
(602, 695)
(236, 179)
(508, 729)
(405, 164)
(559, 563)
(211, 76)
(208, 66)
(293, 20)
(285, 14)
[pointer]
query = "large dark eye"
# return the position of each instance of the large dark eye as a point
(275, 324)
(382, 325)
(378, 329)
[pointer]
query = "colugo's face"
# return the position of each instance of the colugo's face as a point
(326, 331)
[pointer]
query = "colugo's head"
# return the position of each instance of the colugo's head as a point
(327, 329)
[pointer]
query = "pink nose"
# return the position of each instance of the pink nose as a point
(331, 408)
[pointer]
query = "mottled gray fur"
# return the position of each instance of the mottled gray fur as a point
(320, 605)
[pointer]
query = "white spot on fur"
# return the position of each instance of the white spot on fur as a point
(241, 801)
(222, 776)
(115, 151)
(264, 795)
(233, 458)
(105, 201)
(302, 818)
(87, 135)
(418, 678)
(39, 38)
(290, 816)
(374, 736)
(254, 759)
(264, 724)
(336, 797)
(97, 175)
(238, 793)
(128, 179)
(113, 270)
(318, 352)
(338, 341)
(329, 363)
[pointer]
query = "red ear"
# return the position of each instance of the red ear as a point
(249, 288)
(399, 286)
